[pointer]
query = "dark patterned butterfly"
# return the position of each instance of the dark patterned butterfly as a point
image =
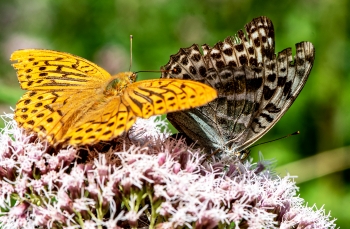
(255, 87)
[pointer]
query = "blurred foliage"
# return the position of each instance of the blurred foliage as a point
(99, 31)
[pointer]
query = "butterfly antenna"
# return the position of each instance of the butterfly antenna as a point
(155, 71)
(295, 133)
(130, 53)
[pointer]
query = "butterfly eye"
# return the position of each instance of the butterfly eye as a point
(133, 77)
(243, 155)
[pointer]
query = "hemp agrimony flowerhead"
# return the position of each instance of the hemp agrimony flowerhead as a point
(148, 181)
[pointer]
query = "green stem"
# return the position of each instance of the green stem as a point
(80, 219)
(154, 207)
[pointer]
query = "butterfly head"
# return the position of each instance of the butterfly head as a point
(127, 77)
(132, 76)
(241, 155)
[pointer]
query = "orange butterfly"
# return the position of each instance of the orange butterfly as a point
(72, 101)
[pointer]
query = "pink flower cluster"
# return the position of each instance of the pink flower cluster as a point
(158, 182)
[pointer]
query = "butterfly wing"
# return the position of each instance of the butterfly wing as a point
(285, 77)
(255, 88)
(60, 88)
(49, 114)
(40, 69)
(103, 122)
(213, 125)
(155, 97)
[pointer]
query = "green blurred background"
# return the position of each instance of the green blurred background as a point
(99, 31)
